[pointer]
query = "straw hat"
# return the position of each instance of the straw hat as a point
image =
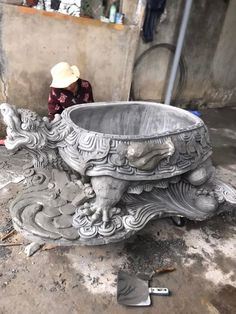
(63, 75)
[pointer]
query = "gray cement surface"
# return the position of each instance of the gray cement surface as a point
(83, 279)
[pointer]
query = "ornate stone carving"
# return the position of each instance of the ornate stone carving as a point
(26, 129)
(102, 171)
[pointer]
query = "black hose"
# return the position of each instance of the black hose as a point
(182, 67)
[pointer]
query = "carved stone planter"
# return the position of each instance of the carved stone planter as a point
(101, 171)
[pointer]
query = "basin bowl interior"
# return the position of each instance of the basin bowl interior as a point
(132, 118)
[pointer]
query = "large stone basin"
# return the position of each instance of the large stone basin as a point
(101, 171)
(134, 141)
(133, 120)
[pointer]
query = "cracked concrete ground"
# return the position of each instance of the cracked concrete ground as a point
(83, 279)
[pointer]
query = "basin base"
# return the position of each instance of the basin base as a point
(51, 208)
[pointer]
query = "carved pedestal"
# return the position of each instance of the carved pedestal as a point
(101, 172)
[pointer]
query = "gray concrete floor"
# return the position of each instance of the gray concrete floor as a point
(83, 279)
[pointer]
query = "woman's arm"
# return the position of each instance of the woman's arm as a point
(54, 105)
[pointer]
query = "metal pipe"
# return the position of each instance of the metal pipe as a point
(179, 46)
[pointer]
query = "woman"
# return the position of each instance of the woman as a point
(67, 89)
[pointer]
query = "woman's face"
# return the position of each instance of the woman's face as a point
(72, 87)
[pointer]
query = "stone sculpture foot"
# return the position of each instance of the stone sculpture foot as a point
(98, 211)
(108, 192)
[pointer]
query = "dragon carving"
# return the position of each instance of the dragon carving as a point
(26, 129)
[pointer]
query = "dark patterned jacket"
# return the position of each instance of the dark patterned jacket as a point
(60, 98)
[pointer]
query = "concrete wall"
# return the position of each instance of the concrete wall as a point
(150, 74)
(33, 41)
(209, 50)
(224, 66)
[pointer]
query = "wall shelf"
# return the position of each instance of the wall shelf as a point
(73, 19)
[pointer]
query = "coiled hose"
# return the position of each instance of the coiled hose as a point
(182, 68)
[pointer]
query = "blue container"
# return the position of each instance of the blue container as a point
(119, 18)
(196, 113)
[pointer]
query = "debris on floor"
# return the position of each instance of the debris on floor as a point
(32, 248)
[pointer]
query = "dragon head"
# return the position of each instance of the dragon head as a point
(24, 128)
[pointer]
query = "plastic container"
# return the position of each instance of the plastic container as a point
(119, 18)
(112, 15)
(196, 113)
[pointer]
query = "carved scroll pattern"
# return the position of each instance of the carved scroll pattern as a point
(180, 199)
(80, 150)
(40, 213)
(191, 148)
